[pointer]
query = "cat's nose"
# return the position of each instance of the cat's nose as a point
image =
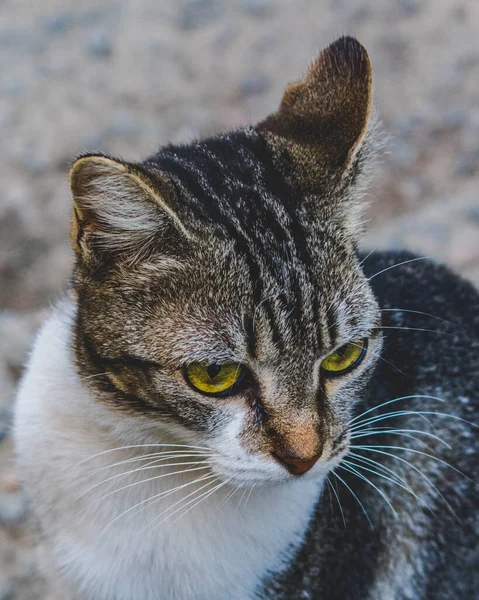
(296, 466)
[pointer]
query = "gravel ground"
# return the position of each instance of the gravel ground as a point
(129, 76)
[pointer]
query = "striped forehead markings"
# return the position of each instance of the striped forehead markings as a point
(269, 197)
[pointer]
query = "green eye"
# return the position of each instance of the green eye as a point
(345, 358)
(215, 378)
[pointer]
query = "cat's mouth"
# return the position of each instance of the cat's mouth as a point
(254, 469)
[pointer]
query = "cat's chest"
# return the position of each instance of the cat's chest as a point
(220, 548)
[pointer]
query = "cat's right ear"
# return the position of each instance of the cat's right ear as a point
(324, 119)
(119, 214)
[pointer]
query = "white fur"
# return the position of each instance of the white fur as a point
(222, 548)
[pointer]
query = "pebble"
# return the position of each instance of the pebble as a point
(99, 44)
(258, 8)
(254, 84)
(124, 123)
(225, 36)
(467, 163)
(7, 590)
(404, 152)
(195, 14)
(455, 117)
(58, 24)
(473, 214)
(410, 8)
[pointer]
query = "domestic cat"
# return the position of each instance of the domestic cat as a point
(231, 402)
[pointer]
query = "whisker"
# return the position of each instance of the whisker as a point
(92, 376)
(378, 465)
(346, 284)
(242, 498)
(149, 465)
(249, 495)
(182, 503)
(425, 314)
(364, 478)
(412, 466)
(383, 417)
(405, 262)
(228, 496)
(143, 457)
(260, 304)
(155, 498)
(137, 446)
(370, 432)
(353, 291)
(338, 500)
(355, 496)
(135, 483)
(202, 498)
(400, 413)
(379, 357)
(395, 400)
(137, 470)
(367, 256)
(414, 329)
(414, 451)
(394, 481)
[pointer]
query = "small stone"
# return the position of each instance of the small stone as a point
(99, 44)
(92, 141)
(258, 8)
(226, 36)
(254, 84)
(454, 118)
(473, 214)
(7, 590)
(410, 7)
(467, 163)
(33, 161)
(195, 14)
(124, 123)
(405, 153)
(58, 24)
(409, 126)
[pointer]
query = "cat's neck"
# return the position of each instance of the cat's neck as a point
(203, 539)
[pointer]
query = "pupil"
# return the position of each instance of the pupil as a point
(213, 370)
(341, 352)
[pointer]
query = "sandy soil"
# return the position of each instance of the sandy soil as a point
(126, 77)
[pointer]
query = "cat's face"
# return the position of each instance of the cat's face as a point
(220, 295)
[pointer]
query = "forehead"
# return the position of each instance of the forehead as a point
(212, 308)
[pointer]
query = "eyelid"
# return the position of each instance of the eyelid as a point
(332, 374)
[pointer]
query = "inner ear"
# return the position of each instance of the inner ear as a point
(323, 119)
(119, 211)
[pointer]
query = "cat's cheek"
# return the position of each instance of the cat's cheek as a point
(239, 455)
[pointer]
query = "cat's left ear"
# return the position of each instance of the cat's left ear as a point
(323, 120)
(120, 214)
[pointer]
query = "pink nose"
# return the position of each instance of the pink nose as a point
(297, 466)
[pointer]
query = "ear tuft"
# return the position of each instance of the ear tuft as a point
(323, 119)
(118, 212)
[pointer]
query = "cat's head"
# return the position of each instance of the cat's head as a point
(220, 298)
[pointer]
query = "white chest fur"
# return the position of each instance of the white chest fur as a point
(221, 548)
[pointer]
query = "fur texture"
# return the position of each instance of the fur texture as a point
(241, 249)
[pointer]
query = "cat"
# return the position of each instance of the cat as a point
(231, 402)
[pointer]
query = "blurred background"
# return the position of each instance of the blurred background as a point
(128, 76)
